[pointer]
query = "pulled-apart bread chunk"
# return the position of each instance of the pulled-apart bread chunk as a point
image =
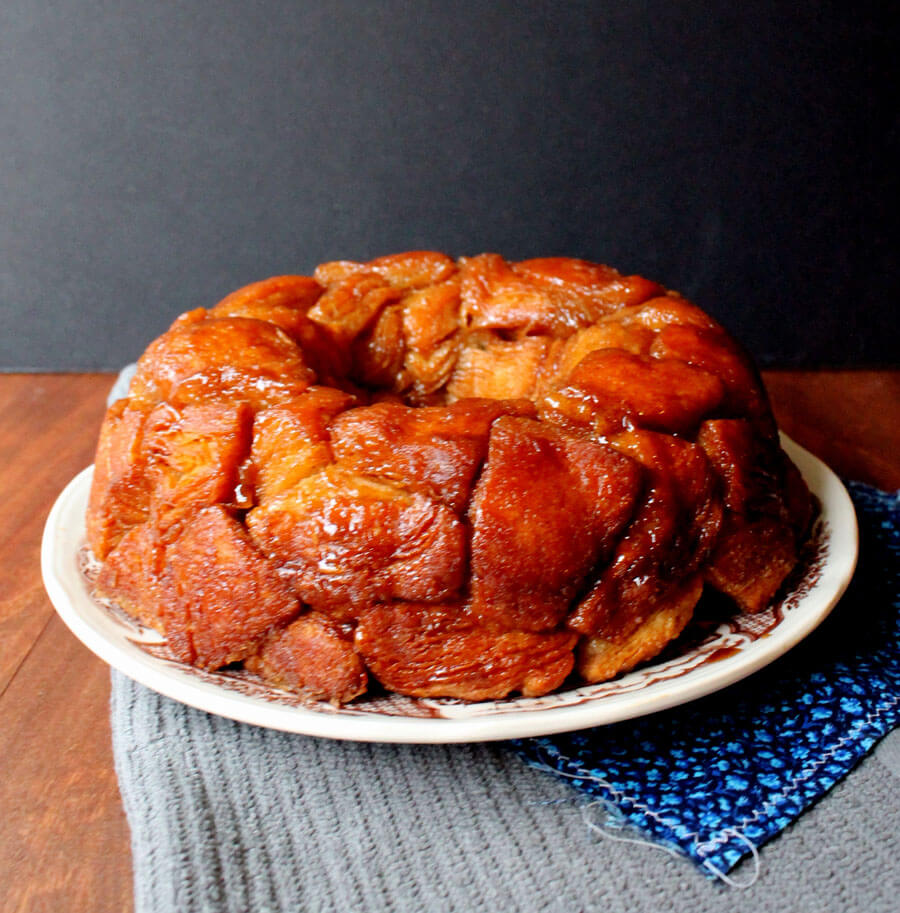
(133, 575)
(435, 450)
(548, 507)
(611, 390)
(669, 538)
(195, 455)
(458, 479)
(204, 359)
(120, 487)
(313, 657)
(210, 591)
(292, 442)
(768, 512)
(345, 540)
(434, 650)
(223, 596)
(284, 301)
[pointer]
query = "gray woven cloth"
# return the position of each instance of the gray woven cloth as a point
(230, 818)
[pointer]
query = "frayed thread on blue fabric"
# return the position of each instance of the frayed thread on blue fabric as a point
(717, 778)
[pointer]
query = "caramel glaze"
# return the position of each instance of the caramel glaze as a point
(457, 478)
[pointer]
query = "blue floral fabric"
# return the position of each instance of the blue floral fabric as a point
(718, 777)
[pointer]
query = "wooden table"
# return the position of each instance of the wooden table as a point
(64, 841)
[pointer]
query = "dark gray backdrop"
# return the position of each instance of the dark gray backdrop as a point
(155, 155)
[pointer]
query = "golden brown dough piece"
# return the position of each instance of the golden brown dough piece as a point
(291, 442)
(646, 594)
(431, 336)
(346, 540)
(458, 478)
(162, 463)
(205, 359)
(222, 596)
(120, 488)
(210, 590)
(548, 507)
(611, 390)
(435, 450)
(443, 651)
(284, 301)
(398, 318)
(132, 575)
(601, 658)
(195, 456)
(312, 657)
(768, 512)
(550, 295)
(495, 368)
(410, 270)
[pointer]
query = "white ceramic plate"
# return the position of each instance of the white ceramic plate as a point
(703, 663)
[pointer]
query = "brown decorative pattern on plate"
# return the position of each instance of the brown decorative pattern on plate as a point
(708, 639)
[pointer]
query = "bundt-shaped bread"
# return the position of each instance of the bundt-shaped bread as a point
(460, 479)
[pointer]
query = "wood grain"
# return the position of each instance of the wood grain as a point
(48, 433)
(849, 419)
(64, 844)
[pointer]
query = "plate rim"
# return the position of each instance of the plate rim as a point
(66, 591)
